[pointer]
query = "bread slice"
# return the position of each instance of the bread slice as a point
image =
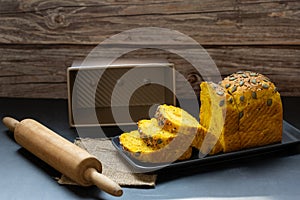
(153, 135)
(176, 120)
(137, 148)
(220, 116)
(206, 142)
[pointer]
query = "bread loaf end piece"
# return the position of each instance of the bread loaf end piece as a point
(220, 116)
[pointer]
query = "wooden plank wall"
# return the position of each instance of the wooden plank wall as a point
(39, 39)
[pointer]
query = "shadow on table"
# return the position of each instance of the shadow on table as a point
(266, 160)
(91, 192)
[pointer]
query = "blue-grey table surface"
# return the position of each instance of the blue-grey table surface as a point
(23, 176)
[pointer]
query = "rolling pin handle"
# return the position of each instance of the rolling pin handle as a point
(103, 182)
(10, 123)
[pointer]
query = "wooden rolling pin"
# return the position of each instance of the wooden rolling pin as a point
(61, 154)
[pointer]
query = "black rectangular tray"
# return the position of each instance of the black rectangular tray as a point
(290, 138)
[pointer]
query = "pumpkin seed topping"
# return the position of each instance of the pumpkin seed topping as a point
(220, 93)
(232, 78)
(227, 85)
(221, 103)
(241, 83)
(253, 81)
(159, 141)
(254, 96)
(265, 86)
(234, 88)
(244, 76)
(269, 102)
(242, 98)
(241, 114)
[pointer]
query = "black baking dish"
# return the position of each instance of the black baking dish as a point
(290, 138)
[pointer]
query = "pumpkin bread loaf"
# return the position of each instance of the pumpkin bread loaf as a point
(244, 109)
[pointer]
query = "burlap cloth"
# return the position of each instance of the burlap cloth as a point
(113, 165)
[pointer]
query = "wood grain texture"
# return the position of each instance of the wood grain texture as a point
(39, 39)
(209, 22)
(40, 71)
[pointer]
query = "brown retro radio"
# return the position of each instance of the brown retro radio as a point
(120, 93)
